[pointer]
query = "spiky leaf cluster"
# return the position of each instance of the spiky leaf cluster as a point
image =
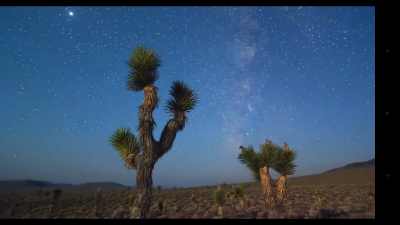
(127, 146)
(271, 156)
(143, 65)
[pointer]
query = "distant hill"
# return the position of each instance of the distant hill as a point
(7, 184)
(360, 171)
(100, 185)
(30, 183)
(357, 165)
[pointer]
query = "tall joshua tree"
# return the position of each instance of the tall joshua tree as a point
(142, 153)
(270, 156)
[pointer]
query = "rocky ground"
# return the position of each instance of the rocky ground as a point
(354, 200)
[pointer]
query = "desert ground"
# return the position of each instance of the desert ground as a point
(346, 194)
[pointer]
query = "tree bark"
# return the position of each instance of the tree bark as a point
(266, 183)
(144, 182)
(168, 136)
(280, 189)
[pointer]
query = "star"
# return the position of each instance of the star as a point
(71, 13)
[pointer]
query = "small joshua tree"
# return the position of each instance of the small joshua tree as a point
(270, 156)
(239, 192)
(166, 205)
(56, 195)
(142, 153)
(220, 199)
(129, 188)
(159, 188)
(319, 195)
(97, 200)
(195, 202)
(40, 192)
(131, 199)
(160, 204)
(174, 188)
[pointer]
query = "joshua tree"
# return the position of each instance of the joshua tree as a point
(319, 195)
(195, 202)
(97, 200)
(166, 205)
(56, 195)
(131, 199)
(160, 204)
(270, 156)
(159, 188)
(239, 192)
(142, 153)
(220, 199)
(174, 188)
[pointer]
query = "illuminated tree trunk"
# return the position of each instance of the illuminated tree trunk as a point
(266, 183)
(281, 189)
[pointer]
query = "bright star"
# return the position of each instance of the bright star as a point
(71, 13)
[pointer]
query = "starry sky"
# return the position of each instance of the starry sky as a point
(304, 75)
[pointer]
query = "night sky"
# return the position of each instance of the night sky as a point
(304, 75)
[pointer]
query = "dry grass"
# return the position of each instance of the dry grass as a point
(351, 200)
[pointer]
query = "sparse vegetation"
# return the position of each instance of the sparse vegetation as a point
(220, 199)
(195, 202)
(160, 205)
(131, 199)
(97, 200)
(319, 195)
(79, 204)
(56, 195)
(239, 192)
(142, 153)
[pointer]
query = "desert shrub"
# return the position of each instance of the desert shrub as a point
(220, 199)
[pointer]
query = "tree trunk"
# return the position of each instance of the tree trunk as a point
(243, 204)
(221, 211)
(266, 183)
(144, 183)
(280, 189)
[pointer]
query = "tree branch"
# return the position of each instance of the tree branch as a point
(168, 136)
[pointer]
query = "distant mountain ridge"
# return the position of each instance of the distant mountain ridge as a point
(370, 163)
(46, 184)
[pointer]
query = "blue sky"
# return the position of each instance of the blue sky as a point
(304, 75)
